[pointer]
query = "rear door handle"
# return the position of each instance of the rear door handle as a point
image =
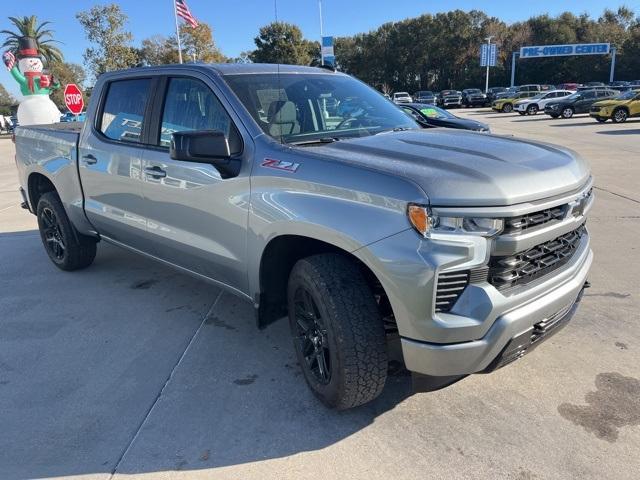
(89, 159)
(155, 172)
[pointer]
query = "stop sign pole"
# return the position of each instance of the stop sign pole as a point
(73, 98)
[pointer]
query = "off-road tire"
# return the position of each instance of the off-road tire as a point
(619, 115)
(353, 327)
(74, 251)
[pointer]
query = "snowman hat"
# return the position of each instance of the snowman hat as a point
(27, 48)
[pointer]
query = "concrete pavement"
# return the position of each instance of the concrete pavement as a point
(128, 369)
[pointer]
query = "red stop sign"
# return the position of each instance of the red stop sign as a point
(73, 98)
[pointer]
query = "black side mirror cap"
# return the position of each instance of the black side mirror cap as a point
(205, 146)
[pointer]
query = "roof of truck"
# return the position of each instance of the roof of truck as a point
(231, 68)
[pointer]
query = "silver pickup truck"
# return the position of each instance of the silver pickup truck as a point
(308, 194)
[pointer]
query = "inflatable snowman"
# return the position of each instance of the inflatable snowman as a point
(36, 107)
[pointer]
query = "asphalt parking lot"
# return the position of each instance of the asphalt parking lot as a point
(129, 369)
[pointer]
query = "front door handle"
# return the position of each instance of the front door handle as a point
(155, 172)
(89, 159)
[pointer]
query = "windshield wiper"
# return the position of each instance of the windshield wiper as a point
(315, 141)
(395, 129)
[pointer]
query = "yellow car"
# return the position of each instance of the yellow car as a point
(505, 105)
(618, 109)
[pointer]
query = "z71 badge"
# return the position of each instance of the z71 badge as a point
(280, 165)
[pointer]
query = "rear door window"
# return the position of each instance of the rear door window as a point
(123, 109)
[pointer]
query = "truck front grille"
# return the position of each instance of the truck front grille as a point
(524, 222)
(450, 287)
(530, 220)
(523, 267)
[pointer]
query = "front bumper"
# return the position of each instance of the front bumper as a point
(509, 338)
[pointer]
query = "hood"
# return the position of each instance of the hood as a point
(462, 168)
(610, 103)
(462, 123)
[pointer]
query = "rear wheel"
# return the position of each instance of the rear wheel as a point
(507, 108)
(567, 112)
(532, 110)
(620, 116)
(337, 330)
(67, 249)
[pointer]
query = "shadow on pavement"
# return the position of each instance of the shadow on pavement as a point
(129, 366)
(634, 131)
(592, 123)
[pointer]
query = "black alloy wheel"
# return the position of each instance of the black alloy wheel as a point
(52, 234)
(312, 336)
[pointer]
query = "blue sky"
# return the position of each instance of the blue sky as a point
(235, 23)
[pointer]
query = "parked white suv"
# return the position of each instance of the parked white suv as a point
(531, 105)
(402, 97)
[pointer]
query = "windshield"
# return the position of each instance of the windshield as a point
(424, 93)
(299, 108)
(628, 95)
(431, 111)
(450, 92)
(473, 90)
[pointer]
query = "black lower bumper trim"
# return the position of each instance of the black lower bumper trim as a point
(526, 341)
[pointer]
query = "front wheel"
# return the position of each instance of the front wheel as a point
(338, 333)
(567, 112)
(67, 249)
(532, 110)
(507, 108)
(619, 116)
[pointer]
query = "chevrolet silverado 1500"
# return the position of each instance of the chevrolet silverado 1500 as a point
(308, 194)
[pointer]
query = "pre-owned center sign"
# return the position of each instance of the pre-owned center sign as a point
(565, 50)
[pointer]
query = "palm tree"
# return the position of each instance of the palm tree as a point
(28, 27)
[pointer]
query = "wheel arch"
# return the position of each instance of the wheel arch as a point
(37, 185)
(276, 262)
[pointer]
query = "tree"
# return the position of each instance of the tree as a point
(66, 73)
(197, 45)
(104, 27)
(28, 27)
(6, 101)
(281, 42)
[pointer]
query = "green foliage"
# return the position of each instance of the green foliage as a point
(442, 50)
(6, 101)
(197, 46)
(112, 50)
(28, 27)
(281, 42)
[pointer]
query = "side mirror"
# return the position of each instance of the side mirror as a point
(205, 146)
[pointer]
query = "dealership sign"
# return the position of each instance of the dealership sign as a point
(328, 57)
(565, 50)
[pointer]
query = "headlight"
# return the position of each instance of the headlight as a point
(425, 222)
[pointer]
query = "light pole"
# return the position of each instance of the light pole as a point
(321, 32)
(488, 39)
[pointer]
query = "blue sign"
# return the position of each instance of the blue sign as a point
(488, 55)
(565, 50)
(328, 57)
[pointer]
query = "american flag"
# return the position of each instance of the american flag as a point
(183, 11)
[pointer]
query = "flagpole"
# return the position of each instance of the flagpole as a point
(321, 32)
(175, 14)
